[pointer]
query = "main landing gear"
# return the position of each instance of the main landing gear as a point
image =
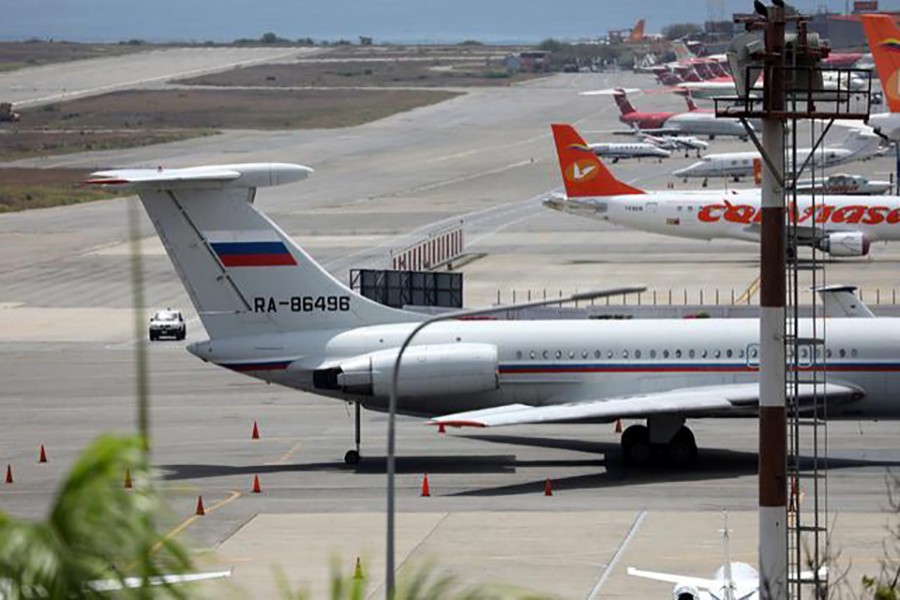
(664, 439)
(352, 457)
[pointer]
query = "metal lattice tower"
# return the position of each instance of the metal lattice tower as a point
(793, 352)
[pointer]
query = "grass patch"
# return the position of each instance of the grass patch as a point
(20, 143)
(421, 71)
(18, 55)
(197, 110)
(21, 189)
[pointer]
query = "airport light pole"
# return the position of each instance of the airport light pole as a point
(390, 586)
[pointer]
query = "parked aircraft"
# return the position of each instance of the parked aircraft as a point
(883, 35)
(839, 225)
(271, 312)
(629, 115)
(850, 185)
(731, 581)
(857, 145)
(674, 142)
(616, 151)
(691, 122)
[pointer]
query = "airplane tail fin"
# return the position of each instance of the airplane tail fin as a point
(621, 98)
(584, 175)
(688, 99)
(884, 41)
(668, 78)
(244, 275)
(843, 301)
(637, 34)
(862, 144)
(682, 52)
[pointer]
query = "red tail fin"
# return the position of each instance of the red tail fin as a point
(621, 99)
(688, 99)
(884, 41)
(582, 172)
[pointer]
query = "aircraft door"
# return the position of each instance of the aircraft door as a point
(753, 355)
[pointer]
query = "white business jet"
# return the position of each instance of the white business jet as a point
(840, 225)
(622, 150)
(273, 313)
(860, 144)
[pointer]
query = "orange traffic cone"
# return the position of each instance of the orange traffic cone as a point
(357, 572)
(255, 434)
(43, 457)
(618, 425)
(9, 478)
(548, 488)
(441, 429)
(426, 491)
(128, 483)
(200, 510)
(256, 489)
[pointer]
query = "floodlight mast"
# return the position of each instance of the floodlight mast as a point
(773, 558)
(746, 54)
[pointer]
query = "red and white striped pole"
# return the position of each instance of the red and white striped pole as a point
(772, 377)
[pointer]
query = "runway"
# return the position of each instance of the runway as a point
(486, 157)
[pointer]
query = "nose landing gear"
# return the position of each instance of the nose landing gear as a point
(352, 457)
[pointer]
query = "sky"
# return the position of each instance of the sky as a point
(385, 20)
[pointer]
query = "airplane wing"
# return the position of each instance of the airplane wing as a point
(740, 399)
(697, 582)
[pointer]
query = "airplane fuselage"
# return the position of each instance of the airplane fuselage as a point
(582, 360)
(736, 214)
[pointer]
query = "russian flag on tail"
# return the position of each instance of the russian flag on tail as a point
(253, 254)
(250, 249)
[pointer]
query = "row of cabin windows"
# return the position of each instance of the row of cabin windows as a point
(665, 354)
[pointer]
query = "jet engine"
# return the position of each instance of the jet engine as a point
(845, 243)
(436, 370)
(688, 592)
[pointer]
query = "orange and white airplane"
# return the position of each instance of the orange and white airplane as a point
(884, 41)
(839, 225)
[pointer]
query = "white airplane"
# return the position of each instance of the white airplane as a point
(674, 142)
(271, 312)
(857, 145)
(617, 151)
(697, 122)
(884, 42)
(841, 183)
(731, 581)
(839, 225)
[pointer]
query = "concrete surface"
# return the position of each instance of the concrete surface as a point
(66, 365)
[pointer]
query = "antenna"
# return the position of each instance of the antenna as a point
(728, 586)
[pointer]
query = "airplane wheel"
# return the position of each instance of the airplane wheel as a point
(682, 450)
(636, 448)
(352, 457)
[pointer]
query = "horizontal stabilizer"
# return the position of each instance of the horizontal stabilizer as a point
(251, 175)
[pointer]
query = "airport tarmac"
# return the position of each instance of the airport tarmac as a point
(67, 359)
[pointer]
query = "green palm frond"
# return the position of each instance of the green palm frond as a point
(96, 530)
